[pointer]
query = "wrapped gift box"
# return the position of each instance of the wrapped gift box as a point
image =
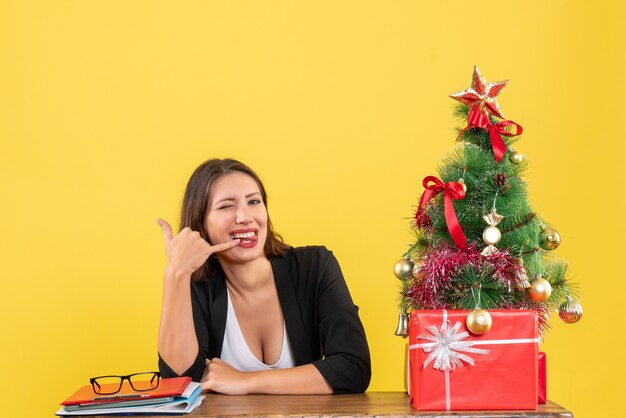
(542, 392)
(453, 369)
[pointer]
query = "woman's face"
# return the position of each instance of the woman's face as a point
(236, 211)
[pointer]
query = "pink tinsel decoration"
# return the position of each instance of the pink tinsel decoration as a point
(439, 264)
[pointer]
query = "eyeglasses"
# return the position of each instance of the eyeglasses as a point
(139, 382)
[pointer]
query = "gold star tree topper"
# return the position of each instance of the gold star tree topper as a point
(481, 96)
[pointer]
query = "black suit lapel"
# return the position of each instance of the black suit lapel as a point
(217, 313)
(291, 311)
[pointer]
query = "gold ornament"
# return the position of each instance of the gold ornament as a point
(515, 157)
(540, 289)
(521, 279)
(403, 268)
(491, 234)
(570, 311)
(478, 321)
(549, 239)
(402, 330)
(462, 183)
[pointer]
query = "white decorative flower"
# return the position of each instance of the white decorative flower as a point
(447, 347)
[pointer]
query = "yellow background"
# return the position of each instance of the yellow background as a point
(106, 107)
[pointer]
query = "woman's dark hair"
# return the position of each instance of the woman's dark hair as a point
(194, 208)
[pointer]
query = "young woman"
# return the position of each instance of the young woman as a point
(245, 313)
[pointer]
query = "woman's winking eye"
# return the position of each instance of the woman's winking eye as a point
(229, 203)
(224, 204)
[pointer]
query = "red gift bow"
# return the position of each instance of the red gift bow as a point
(476, 119)
(451, 190)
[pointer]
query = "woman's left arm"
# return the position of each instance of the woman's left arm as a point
(346, 363)
(303, 380)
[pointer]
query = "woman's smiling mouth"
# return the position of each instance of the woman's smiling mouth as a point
(248, 237)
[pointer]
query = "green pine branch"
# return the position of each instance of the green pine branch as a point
(477, 288)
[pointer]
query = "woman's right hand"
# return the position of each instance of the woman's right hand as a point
(188, 251)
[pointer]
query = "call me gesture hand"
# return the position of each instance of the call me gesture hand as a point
(188, 251)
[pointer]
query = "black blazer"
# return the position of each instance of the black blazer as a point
(321, 320)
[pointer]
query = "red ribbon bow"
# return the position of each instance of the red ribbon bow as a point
(451, 190)
(476, 119)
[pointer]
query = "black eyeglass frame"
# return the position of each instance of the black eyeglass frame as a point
(128, 377)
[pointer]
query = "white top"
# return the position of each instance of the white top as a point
(236, 353)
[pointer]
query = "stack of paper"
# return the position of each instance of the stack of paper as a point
(173, 396)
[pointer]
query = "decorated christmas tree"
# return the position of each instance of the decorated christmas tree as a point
(478, 244)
